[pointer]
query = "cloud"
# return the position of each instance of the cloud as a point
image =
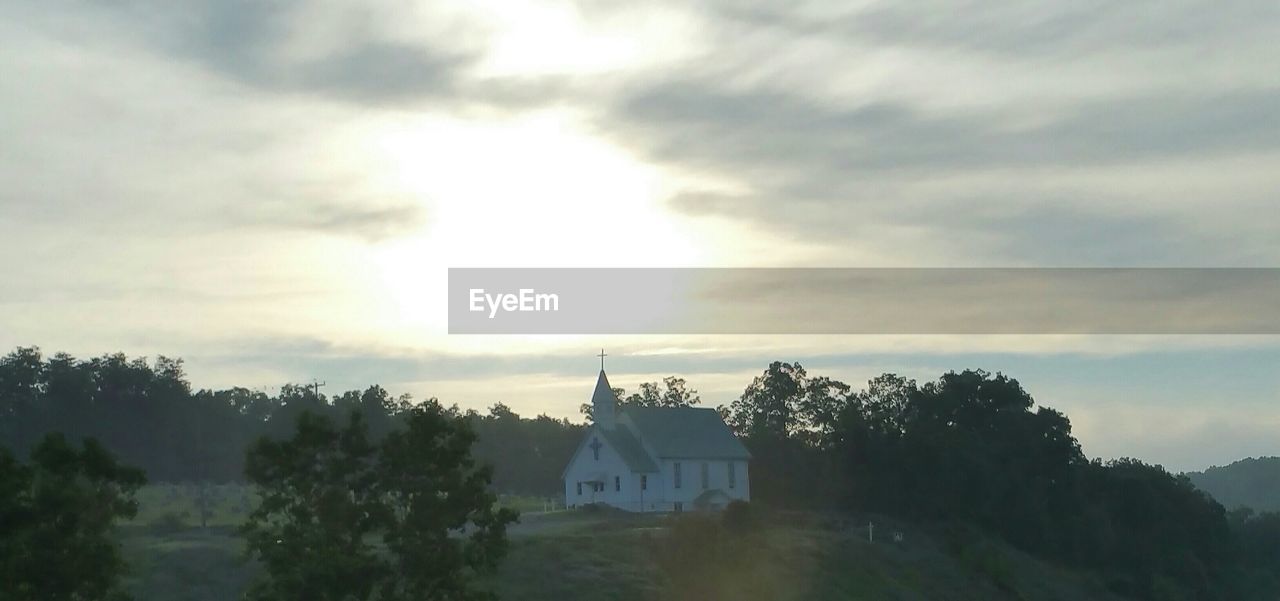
(1045, 28)
(1040, 134)
(199, 179)
(371, 221)
(343, 52)
(372, 54)
(975, 186)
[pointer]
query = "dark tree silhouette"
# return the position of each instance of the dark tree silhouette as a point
(969, 448)
(56, 520)
(673, 392)
(149, 415)
(328, 494)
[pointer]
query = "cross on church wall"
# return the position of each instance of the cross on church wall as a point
(595, 447)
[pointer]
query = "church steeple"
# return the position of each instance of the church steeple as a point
(603, 403)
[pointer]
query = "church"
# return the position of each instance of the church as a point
(655, 458)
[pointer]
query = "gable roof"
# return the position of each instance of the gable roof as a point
(685, 432)
(623, 441)
(630, 449)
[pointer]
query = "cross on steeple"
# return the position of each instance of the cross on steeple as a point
(602, 355)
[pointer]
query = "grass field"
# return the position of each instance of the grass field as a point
(177, 506)
(573, 555)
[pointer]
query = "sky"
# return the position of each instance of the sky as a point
(274, 190)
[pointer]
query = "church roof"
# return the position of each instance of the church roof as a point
(629, 449)
(603, 392)
(687, 432)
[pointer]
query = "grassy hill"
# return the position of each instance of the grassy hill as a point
(574, 555)
(792, 557)
(1253, 483)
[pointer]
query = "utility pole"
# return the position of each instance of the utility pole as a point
(871, 532)
(315, 385)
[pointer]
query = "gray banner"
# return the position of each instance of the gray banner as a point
(864, 301)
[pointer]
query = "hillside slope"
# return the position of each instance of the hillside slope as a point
(1253, 483)
(798, 558)
(579, 555)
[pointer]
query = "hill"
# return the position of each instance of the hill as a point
(1253, 482)
(572, 555)
(795, 556)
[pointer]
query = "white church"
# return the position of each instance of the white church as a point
(655, 458)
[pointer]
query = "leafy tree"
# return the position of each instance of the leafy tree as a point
(56, 516)
(673, 392)
(328, 494)
(1257, 554)
(1135, 542)
(784, 416)
(21, 378)
(528, 455)
(319, 504)
(149, 414)
(973, 448)
(770, 405)
(434, 489)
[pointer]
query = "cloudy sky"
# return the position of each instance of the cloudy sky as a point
(274, 190)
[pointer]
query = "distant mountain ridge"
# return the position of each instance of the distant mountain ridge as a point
(1253, 482)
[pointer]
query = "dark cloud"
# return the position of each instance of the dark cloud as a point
(703, 124)
(247, 41)
(817, 170)
(815, 164)
(1038, 29)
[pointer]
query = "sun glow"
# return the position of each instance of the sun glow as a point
(533, 190)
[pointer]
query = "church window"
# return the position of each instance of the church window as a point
(644, 482)
(579, 489)
(678, 507)
(595, 447)
(706, 475)
(732, 475)
(676, 469)
(617, 483)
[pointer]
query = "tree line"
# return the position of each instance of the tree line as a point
(970, 449)
(975, 449)
(148, 414)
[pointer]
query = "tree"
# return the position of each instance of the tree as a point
(527, 455)
(329, 493)
(21, 378)
(434, 488)
(673, 392)
(784, 417)
(770, 405)
(56, 516)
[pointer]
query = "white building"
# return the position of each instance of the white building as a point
(655, 458)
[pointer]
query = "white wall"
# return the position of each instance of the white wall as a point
(691, 481)
(584, 466)
(661, 494)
